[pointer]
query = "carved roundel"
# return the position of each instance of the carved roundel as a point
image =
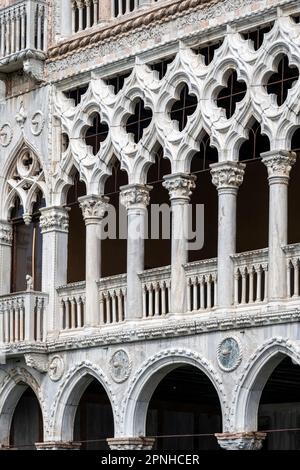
(6, 135)
(56, 368)
(229, 354)
(37, 123)
(120, 366)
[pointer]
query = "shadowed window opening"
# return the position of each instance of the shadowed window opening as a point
(232, 94)
(185, 403)
(257, 35)
(96, 134)
(94, 418)
(205, 157)
(117, 81)
(76, 93)
(184, 107)
(293, 204)
(255, 145)
(139, 121)
(280, 82)
(123, 7)
(65, 141)
(162, 66)
(208, 51)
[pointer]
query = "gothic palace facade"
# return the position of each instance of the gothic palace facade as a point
(130, 343)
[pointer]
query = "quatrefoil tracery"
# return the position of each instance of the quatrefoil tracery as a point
(184, 107)
(96, 133)
(232, 94)
(139, 120)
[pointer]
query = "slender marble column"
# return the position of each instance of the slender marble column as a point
(54, 224)
(135, 198)
(5, 256)
(241, 440)
(180, 187)
(279, 164)
(93, 209)
(227, 177)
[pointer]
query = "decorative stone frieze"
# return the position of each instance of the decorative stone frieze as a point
(54, 219)
(227, 174)
(93, 207)
(279, 164)
(180, 186)
(135, 194)
(241, 440)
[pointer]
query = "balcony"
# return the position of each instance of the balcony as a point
(23, 37)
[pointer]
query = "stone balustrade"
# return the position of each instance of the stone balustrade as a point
(201, 285)
(112, 299)
(23, 33)
(124, 7)
(156, 291)
(250, 277)
(72, 306)
(293, 269)
(23, 317)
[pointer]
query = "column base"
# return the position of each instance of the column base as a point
(57, 445)
(131, 443)
(241, 440)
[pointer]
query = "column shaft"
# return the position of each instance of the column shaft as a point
(5, 256)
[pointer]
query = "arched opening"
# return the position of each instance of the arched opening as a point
(76, 236)
(26, 246)
(27, 422)
(184, 405)
(116, 242)
(204, 194)
(253, 197)
(294, 193)
(158, 244)
(279, 407)
(94, 421)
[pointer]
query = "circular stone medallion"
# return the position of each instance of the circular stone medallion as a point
(229, 354)
(56, 368)
(120, 366)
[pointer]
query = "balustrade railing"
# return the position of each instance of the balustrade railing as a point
(23, 26)
(293, 270)
(23, 317)
(250, 277)
(112, 299)
(124, 7)
(72, 306)
(156, 291)
(201, 285)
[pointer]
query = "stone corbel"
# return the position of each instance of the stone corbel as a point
(34, 68)
(37, 361)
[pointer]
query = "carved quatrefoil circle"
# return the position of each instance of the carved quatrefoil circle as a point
(230, 95)
(27, 164)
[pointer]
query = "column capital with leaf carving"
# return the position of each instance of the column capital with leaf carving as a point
(180, 186)
(135, 196)
(93, 208)
(279, 164)
(54, 219)
(227, 176)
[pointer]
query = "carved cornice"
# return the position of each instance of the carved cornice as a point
(5, 233)
(93, 207)
(135, 195)
(279, 164)
(179, 185)
(54, 219)
(227, 175)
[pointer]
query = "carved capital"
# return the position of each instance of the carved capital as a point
(227, 175)
(5, 233)
(54, 219)
(180, 186)
(279, 164)
(135, 195)
(131, 443)
(241, 440)
(93, 207)
(37, 361)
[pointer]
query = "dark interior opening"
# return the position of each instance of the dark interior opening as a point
(184, 107)
(76, 93)
(96, 134)
(208, 51)
(280, 82)
(161, 66)
(257, 35)
(184, 404)
(139, 120)
(294, 193)
(94, 421)
(232, 94)
(117, 81)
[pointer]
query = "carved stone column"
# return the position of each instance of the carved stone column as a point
(135, 198)
(54, 224)
(57, 445)
(227, 177)
(5, 256)
(93, 209)
(131, 443)
(279, 164)
(241, 440)
(180, 187)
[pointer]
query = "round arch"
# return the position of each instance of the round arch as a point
(68, 397)
(148, 378)
(254, 378)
